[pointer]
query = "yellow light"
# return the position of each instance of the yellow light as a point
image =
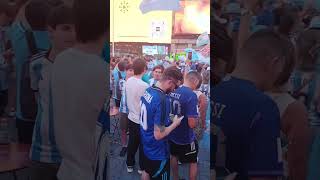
(128, 24)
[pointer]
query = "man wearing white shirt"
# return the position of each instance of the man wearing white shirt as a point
(135, 88)
(79, 87)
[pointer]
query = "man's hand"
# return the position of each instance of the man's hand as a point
(177, 120)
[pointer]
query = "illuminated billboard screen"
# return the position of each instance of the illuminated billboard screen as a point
(154, 50)
(193, 18)
(128, 24)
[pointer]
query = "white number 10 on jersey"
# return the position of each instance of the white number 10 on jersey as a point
(143, 116)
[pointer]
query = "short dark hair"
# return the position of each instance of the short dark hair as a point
(139, 66)
(194, 75)
(172, 73)
(122, 65)
(36, 13)
(60, 15)
(158, 67)
(262, 45)
(91, 19)
(129, 66)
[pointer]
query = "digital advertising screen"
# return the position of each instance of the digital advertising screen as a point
(129, 24)
(193, 17)
(154, 50)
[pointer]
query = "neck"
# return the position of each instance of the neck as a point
(279, 89)
(159, 85)
(186, 84)
(90, 47)
(246, 75)
(138, 76)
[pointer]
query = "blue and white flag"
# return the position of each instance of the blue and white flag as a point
(159, 5)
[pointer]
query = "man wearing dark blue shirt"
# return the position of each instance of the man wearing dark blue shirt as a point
(155, 125)
(247, 121)
(183, 144)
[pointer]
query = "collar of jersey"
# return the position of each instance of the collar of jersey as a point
(157, 88)
(230, 77)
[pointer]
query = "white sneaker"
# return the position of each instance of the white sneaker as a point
(129, 169)
(140, 171)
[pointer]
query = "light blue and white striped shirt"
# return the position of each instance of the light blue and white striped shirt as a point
(43, 148)
(152, 82)
(123, 103)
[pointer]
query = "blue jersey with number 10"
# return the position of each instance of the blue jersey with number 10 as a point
(183, 103)
(151, 111)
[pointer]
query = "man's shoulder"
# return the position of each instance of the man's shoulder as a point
(144, 84)
(130, 81)
(153, 92)
(63, 55)
(266, 103)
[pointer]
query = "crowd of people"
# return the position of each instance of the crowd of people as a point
(163, 109)
(54, 84)
(265, 94)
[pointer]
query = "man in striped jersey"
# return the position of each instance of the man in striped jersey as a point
(124, 110)
(44, 152)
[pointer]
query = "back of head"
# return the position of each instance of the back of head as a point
(172, 73)
(60, 15)
(91, 19)
(193, 76)
(139, 66)
(128, 67)
(36, 13)
(122, 65)
(261, 46)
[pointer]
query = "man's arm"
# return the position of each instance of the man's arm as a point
(161, 132)
(192, 122)
(295, 126)
(97, 96)
(245, 22)
(203, 109)
(191, 110)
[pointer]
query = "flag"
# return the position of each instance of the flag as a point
(205, 51)
(159, 5)
(203, 40)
